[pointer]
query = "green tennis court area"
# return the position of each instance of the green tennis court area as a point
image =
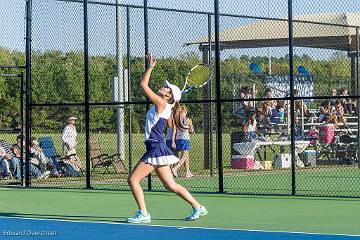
(278, 214)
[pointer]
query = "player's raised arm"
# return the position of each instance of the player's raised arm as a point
(154, 98)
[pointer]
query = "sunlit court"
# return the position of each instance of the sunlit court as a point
(210, 119)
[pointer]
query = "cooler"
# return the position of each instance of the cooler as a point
(327, 133)
(282, 160)
(242, 162)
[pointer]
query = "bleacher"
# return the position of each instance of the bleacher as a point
(343, 150)
(334, 153)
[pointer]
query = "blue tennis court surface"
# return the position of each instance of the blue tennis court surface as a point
(21, 228)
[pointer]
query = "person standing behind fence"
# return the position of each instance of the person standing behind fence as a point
(182, 141)
(69, 147)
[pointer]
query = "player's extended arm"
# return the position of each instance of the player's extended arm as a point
(154, 98)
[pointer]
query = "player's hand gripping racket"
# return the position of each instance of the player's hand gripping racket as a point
(197, 77)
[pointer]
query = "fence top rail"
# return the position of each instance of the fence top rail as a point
(12, 67)
(211, 13)
(11, 130)
(9, 75)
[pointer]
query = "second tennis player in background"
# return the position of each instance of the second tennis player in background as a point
(183, 128)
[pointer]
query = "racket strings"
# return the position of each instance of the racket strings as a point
(198, 76)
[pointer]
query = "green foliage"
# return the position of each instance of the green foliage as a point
(58, 77)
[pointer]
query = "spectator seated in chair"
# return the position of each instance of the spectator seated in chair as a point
(62, 164)
(327, 114)
(12, 158)
(340, 114)
(250, 128)
(300, 106)
(39, 159)
(5, 164)
(348, 104)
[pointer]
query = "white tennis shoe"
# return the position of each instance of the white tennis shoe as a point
(197, 213)
(139, 217)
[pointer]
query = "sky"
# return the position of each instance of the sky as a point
(12, 22)
(58, 25)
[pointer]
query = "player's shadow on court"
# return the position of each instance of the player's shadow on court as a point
(64, 217)
(118, 219)
(156, 219)
(168, 219)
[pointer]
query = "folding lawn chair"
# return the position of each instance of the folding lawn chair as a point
(48, 147)
(346, 150)
(106, 161)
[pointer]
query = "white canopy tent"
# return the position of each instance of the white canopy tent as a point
(335, 31)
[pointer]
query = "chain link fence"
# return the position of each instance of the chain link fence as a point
(273, 140)
(11, 86)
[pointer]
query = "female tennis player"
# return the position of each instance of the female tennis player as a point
(183, 141)
(158, 156)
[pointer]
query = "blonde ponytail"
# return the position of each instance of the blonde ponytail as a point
(176, 113)
(176, 116)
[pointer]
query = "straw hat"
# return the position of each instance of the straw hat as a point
(71, 118)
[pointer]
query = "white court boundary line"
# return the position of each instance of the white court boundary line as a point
(180, 227)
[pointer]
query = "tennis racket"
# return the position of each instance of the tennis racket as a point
(197, 77)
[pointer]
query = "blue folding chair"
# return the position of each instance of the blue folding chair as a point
(48, 147)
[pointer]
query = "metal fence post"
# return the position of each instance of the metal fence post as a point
(146, 47)
(128, 49)
(120, 85)
(210, 93)
(357, 94)
(218, 96)
(292, 100)
(86, 103)
(206, 115)
(28, 92)
(22, 127)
